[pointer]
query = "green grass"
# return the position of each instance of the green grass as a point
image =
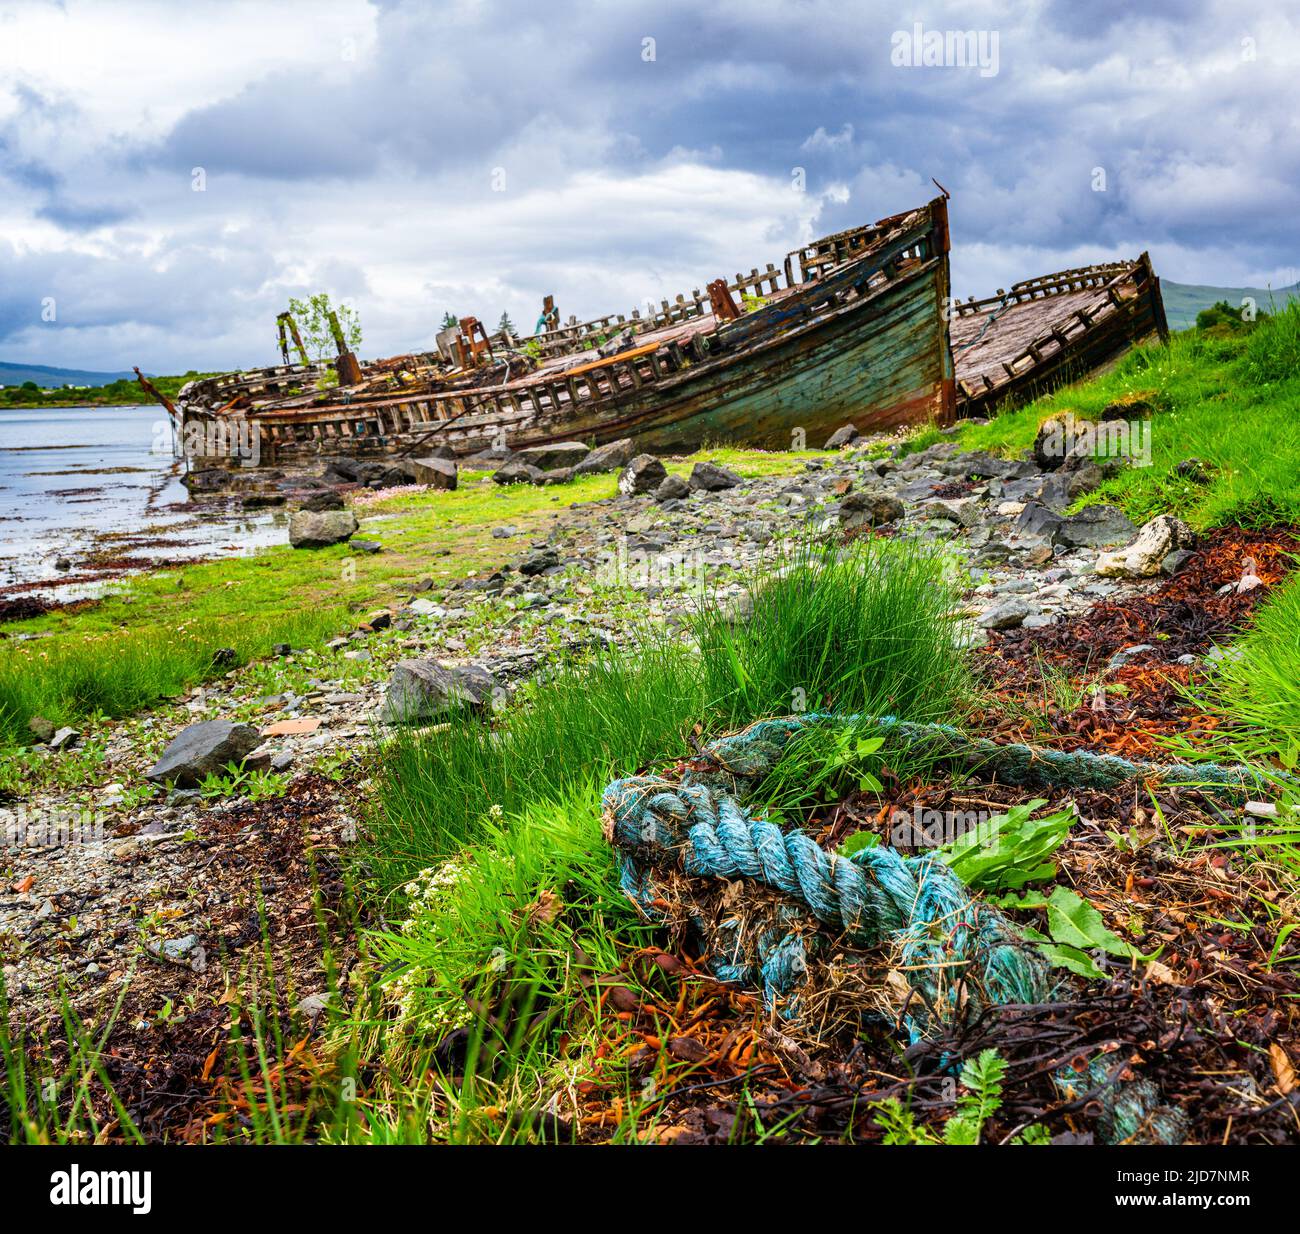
(865, 630)
(1231, 400)
(155, 637)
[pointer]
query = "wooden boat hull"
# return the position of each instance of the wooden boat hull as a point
(861, 337)
(1052, 330)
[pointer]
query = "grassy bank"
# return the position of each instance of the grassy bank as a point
(157, 636)
(1228, 399)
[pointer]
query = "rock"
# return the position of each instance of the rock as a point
(1176, 560)
(842, 437)
(643, 474)
(201, 749)
(981, 465)
(1056, 437)
(1158, 538)
(711, 478)
(435, 472)
(1005, 616)
(491, 459)
(1064, 486)
(40, 728)
(65, 739)
(63, 563)
(539, 561)
(312, 529)
(1094, 527)
(367, 546)
(421, 690)
(1125, 654)
(558, 454)
(516, 472)
(869, 508)
(225, 657)
(610, 457)
(559, 475)
(261, 501)
(318, 503)
(1037, 521)
(281, 650)
(346, 470)
(672, 488)
(1193, 469)
(380, 620)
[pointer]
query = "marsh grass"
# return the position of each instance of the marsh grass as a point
(1231, 400)
(860, 629)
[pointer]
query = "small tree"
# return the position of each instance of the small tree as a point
(313, 318)
(449, 321)
(506, 326)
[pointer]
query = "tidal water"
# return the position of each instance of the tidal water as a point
(99, 489)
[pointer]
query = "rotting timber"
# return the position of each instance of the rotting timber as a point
(856, 327)
(852, 326)
(1047, 331)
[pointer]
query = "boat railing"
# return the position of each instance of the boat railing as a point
(1063, 282)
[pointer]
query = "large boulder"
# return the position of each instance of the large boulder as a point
(981, 465)
(1037, 521)
(1158, 538)
(711, 478)
(517, 472)
(434, 472)
(609, 457)
(1095, 527)
(558, 454)
(202, 749)
(643, 474)
(319, 529)
(421, 690)
(869, 508)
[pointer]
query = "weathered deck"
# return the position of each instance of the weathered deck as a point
(1050, 330)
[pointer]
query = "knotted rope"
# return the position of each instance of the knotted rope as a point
(957, 954)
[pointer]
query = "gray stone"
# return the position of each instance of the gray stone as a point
(202, 749)
(672, 488)
(421, 690)
(869, 508)
(1056, 437)
(319, 529)
(516, 472)
(610, 457)
(1176, 561)
(439, 473)
(711, 478)
(643, 474)
(538, 561)
(322, 501)
(1005, 616)
(841, 437)
(1094, 527)
(1125, 654)
(556, 455)
(1037, 521)
(65, 739)
(559, 475)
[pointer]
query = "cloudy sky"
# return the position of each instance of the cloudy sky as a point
(171, 173)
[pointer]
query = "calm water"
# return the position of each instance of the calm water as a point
(81, 480)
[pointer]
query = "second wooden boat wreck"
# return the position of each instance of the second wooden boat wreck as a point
(1051, 330)
(851, 327)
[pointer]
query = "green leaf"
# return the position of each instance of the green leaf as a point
(1073, 921)
(859, 841)
(1064, 956)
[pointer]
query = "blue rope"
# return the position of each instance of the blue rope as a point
(957, 953)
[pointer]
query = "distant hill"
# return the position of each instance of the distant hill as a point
(1184, 300)
(46, 377)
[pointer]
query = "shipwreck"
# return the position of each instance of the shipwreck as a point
(857, 327)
